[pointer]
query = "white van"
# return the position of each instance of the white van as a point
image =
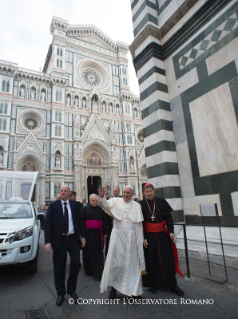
(19, 223)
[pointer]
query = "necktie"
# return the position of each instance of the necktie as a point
(66, 220)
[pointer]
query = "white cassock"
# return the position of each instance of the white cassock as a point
(125, 257)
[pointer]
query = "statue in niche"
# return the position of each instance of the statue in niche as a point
(68, 100)
(135, 112)
(57, 162)
(1, 158)
(33, 94)
(144, 171)
(43, 96)
(94, 105)
(84, 103)
(117, 109)
(22, 92)
(141, 137)
(131, 163)
(110, 108)
(103, 107)
(76, 102)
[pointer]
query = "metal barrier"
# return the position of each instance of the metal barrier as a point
(210, 277)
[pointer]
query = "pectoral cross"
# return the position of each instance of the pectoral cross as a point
(152, 217)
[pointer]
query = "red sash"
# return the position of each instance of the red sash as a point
(157, 227)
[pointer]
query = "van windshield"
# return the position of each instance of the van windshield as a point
(15, 210)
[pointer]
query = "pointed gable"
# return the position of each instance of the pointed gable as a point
(95, 131)
(29, 146)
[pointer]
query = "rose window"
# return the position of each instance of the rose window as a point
(31, 123)
(91, 77)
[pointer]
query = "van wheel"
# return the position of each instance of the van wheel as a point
(31, 267)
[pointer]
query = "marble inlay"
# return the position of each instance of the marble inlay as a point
(215, 131)
(222, 57)
(157, 137)
(178, 120)
(185, 171)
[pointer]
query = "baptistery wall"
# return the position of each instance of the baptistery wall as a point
(76, 122)
(186, 57)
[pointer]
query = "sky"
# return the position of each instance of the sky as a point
(25, 27)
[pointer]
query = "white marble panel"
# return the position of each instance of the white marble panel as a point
(157, 115)
(185, 171)
(150, 64)
(159, 136)
(223, 57)
(147, 10)
(147, 41)
(165, 181)
(215, 131)
(191, 205)
(157, 95)
(175, 203)
(161, 157)
(155, 77)
(178, 120)
(184, 83)
(234, 197)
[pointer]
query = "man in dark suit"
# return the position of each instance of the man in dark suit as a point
(63, 228)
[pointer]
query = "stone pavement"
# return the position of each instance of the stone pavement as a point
(20, 293)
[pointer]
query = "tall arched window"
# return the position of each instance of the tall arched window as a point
(0, 124)
(60, 96)
(57, 51)
(8, 86)
(3, 85)
(59, 131)
(56, 130)
(57, 63)
(5, 109)
(4, 124)
(61, 64)
(57, 96)
(1, 108)
(61, 52)
(1, 154)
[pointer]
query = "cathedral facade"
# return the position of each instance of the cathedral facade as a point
(77, 123)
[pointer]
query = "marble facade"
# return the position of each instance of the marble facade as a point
(188, 80)
(76, 121)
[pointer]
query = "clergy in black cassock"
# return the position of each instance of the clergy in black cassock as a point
(95, 223)
(161, 256)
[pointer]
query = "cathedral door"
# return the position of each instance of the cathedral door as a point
(93, 183)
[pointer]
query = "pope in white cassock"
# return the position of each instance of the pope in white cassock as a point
(125, 258)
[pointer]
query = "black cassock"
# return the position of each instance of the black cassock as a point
(159, 256)
(93, 259)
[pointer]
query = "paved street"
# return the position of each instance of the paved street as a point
(20, 293)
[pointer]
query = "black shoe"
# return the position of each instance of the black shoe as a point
(112, 293)
(74, 296)
(59, 300)
(177, 290)
(153, 291)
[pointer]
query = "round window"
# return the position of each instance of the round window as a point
(31, 123)
(91, 77)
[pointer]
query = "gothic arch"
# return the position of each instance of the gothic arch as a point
(98, 148)
(32, 159)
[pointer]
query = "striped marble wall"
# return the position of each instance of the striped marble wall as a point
(185, 53)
